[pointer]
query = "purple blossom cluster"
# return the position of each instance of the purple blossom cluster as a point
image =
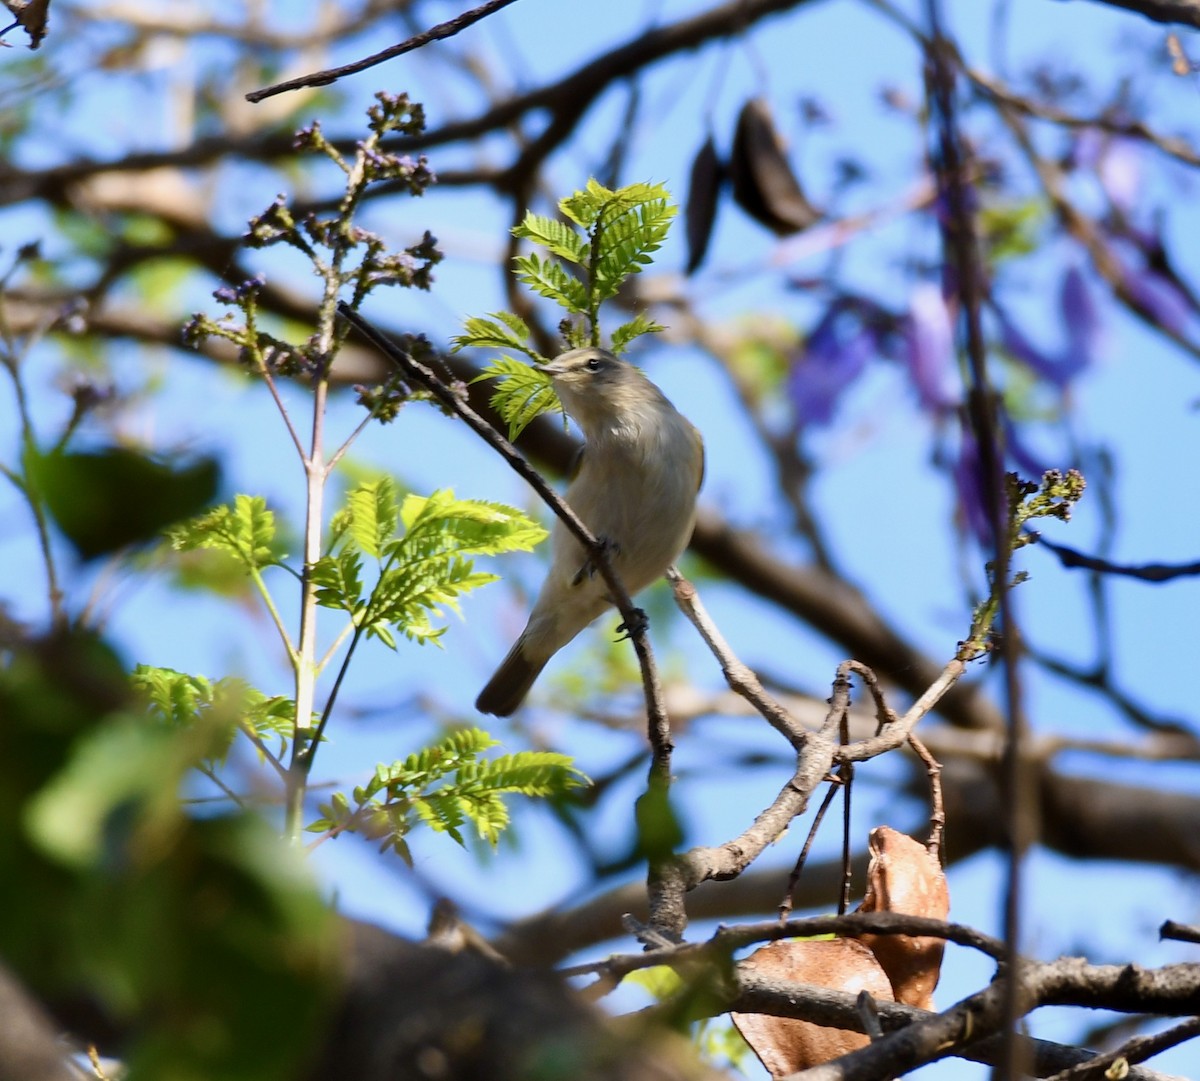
(853, 330)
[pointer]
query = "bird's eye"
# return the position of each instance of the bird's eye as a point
(593, 364)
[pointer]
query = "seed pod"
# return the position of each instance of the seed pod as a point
(763, 182)
(708, 177)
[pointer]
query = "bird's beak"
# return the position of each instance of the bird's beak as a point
(550, 369)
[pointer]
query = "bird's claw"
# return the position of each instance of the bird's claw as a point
(635, 625)
(590, 567)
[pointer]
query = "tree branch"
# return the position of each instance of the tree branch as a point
(436, 33)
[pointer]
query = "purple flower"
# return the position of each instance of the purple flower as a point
(1082, 321)
(1082, 331)
(1120, 173)
(928, 350)
(1160, 298)
(968, 483)
(834, 356)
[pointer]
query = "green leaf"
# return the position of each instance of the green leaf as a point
(584, 207)
(1014, 229)
(371, 518)
(634, 224)
(521, 394)
(553, 235)
(637, 326)
(661, 981)
(107, 499)
(502, 331)
(446, 786)
(245, 530)
(179, 700)
(421, 569)
(550, 280)
(531, 773)
(338, 579)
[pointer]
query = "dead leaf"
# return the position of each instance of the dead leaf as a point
(784, 1044)
(904, 877)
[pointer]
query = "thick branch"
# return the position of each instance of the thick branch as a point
(1183, 12)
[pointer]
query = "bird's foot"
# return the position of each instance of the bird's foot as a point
(590, 567)
(633, 626)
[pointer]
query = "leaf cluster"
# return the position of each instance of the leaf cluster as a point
(111, 867)
(445, 787)
(179, 700)
(602, 238)
(421, 548)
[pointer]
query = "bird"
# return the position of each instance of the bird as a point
(635, 486)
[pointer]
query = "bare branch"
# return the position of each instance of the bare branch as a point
(1135, 1049)
(1146, 572)
(436, 33)
(739, 677)
(1182, 12)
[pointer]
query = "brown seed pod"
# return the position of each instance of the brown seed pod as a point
(704, 189)
(763, 182)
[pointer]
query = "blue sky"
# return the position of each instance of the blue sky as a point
(886, 511)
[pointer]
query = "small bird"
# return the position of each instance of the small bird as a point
(635, 488)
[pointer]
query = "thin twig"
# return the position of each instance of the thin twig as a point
(846, 775)
(937, 813)
(742, 681)
(898, 732)
(1146, 572)
(229, 793)
(725, 941)
(435, 33)
(785, 906)
(264, 750)
(1136, 1049)
(1113, 125)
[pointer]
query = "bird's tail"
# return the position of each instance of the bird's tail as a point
(507, 689)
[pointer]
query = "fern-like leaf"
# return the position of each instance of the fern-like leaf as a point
(637, 326)
(245, 530)
(549, 279)
(502, 330)
(338, 579)
(585, 207)
(521, 393)
(553, 235)
(627, 233)
(371, 514)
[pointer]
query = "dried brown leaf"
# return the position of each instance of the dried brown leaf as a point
(784, 1044)
(904, 877)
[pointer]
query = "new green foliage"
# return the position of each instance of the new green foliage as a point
(418, 567)
(446, 786)
(608, 236)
